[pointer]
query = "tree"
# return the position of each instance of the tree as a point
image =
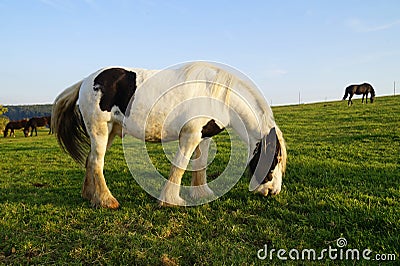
(3, 109)
(3, 119)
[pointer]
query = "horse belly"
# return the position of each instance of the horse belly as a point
(151, 127)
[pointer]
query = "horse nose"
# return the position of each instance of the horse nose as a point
(274, 191)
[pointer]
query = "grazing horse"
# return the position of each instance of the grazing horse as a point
(35, 122)
(12, 125)
(363, 89)
(119, 101)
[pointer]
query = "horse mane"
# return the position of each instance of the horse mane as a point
(371, 89)
(224, 83)
(219, 82)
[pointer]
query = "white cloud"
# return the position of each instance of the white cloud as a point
(277, 72)
(360, 26)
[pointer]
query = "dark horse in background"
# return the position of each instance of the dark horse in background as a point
(35, 122)
(363, 89)
(12, 125)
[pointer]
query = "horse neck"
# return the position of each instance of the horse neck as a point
(28, 125)
(372, 92)
(254, 114)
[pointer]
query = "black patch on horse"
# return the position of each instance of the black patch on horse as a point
(254, 161)
(210, 129)
(117, 86)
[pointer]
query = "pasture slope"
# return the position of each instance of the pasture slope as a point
(342, 181)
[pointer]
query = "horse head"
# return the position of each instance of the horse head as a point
(268, 164)
(26, 130)
(372, 96)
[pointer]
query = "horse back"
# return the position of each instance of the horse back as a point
(16, 124)
(38, 121)
(359, 88)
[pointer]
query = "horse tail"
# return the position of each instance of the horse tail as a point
(346, 93)
(68, 125)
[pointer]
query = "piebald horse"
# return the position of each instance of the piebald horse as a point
(118, 100)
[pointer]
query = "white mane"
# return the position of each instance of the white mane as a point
(224, 83)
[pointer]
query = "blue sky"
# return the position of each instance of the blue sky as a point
(316, 48)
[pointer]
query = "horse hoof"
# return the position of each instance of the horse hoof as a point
(172, 203)
(201, 192)
(109, 203)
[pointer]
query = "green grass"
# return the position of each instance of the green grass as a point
(343, 180)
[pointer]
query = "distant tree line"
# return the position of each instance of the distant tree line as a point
(3, 119)
(17, 112)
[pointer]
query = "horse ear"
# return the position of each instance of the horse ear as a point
(267, 154)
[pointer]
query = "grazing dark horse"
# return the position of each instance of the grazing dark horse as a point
(14, 125)
(363, 89)
(35, 122)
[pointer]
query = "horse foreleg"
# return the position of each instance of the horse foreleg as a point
(33, 128)
(170, 193)
(94, 187)
(199, 188)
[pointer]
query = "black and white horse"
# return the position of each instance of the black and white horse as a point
(117, 101)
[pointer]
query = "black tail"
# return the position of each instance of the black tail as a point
(68, 125)
(345, 95)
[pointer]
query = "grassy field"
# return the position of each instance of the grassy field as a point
(342, 181)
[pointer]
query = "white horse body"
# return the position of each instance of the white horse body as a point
(174, 104)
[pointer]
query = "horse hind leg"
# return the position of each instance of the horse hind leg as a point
(199, 188)
(94, 187)
(350, 102)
